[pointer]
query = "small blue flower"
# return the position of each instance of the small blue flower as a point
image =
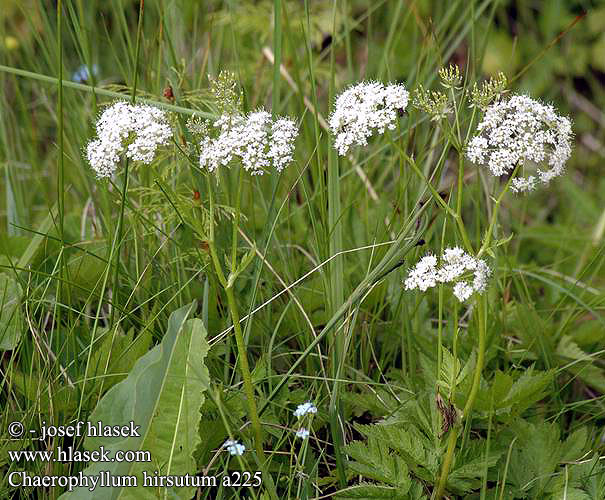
(302, 433)
(305, 408)
(234, 448)
(82, 74)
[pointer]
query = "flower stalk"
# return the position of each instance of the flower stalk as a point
(234, 313)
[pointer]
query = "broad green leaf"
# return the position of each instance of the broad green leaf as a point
(534, 458)
(113, 358)
(162, 394)
(10, 313)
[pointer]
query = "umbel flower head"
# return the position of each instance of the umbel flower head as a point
(136, 129)
(455, 263)
(364, 109)
(522, 131)
(255, 139)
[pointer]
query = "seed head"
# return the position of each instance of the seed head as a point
(450, 77)
(432, 102)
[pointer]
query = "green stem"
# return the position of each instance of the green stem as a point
(240, 182)
(447, 464)
(335, 280)
(470, 401)
(235, 318)
(211, 245)
(245, 369)
(101, 91)
(118, 245)
(492, 222)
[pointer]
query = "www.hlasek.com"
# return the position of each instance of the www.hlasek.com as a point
(105, 479)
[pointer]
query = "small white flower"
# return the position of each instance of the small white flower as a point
(234, 447)
(255, 139)
(302, 433)
(424, 275)
(364, 109)
(136, 130)
(304, 409)
(455, 263)
(522, 131)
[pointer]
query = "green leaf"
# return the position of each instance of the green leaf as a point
(374, 461)
(534, 458)
(245, 262)
(113, 358)
(163, 395)
(409, 443)
(10, 312)
(371, 491)
(452, 372)
(582, 365)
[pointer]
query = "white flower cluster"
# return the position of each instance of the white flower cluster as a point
(519, 130)
(255, 139)
(455, 262)
(136, 129)
(363, 109)
(305, 409)
(234, 447)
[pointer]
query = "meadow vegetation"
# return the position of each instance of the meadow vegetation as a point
(204, 231)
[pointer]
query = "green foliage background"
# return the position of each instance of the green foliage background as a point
(69, 338)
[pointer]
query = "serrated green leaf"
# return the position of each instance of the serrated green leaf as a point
(534, 458)
(371, 491)
(373, 461)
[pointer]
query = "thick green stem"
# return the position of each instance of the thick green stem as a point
(447, 464)
(118, 241)
(470, 400)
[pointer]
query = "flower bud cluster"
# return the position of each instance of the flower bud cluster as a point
(432, 102)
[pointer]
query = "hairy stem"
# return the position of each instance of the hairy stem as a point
(245, 370)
